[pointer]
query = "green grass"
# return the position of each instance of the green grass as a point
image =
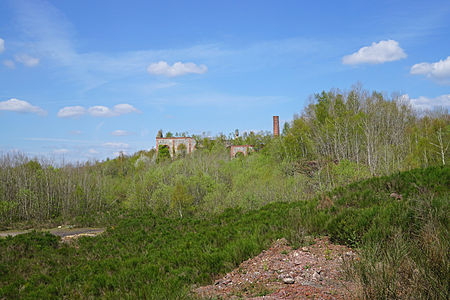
(148, 256)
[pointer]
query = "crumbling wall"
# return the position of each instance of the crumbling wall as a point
(174, 144)
(244, 149)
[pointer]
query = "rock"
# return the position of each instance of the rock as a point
(316, 276)
(396, 196)
(288, 280)
(222, 282)
(349, 254)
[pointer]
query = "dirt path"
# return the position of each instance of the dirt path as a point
(62, 232)
(312, 272)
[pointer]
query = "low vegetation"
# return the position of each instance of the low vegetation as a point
(403, 244)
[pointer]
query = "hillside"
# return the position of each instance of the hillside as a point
(145, 255)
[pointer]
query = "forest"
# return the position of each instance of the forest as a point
(330, 172)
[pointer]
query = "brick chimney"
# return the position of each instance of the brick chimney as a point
(276, 126)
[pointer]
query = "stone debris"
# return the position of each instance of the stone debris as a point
(69, 238)
(312, 272)
(289, 280)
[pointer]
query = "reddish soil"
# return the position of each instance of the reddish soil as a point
(312, 272)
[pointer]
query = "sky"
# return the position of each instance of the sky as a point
(84, 80)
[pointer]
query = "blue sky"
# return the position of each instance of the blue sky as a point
(83, 80)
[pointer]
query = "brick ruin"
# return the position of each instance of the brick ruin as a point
(244, 149)
(176, 145)
(247, 149)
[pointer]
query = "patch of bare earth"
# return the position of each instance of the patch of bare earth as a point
(312, 272)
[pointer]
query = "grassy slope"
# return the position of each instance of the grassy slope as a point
(148, 256)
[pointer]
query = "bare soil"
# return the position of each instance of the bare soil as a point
(65, 233)
(311, 272)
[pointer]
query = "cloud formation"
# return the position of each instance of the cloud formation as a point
(21, 106)
(377, 53)
(425, 103)
(2, 45)
(439, 71)
(71, 112)
(9, 63)
(96, 111)
(177, 69)
(26, 60)
(119, 109)
(120, 132)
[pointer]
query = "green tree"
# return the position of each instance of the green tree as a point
(181, 199)
(163, 154)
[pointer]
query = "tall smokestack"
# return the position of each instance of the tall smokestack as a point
(276, 126)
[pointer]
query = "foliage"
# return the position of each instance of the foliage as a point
(184, 220)
(341, 137)
(163, 154)
(148, 256)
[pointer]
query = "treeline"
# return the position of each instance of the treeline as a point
(37, 191)
(340, 137)
(385, 134)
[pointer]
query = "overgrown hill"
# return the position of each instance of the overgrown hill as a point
(339, 138)
(148, 256)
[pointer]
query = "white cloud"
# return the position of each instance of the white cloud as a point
(124, 108)
(21, 106)
(61, 151)
(96, 111)
(121, 132)
(439, 71)
(177, 69)
(119, 109)
(71, 112)
(9, 63)
(116, 145)
(377, 53)
(27, 60)
(2, 45)
(100, 111)
(93, 151)
(425, 103)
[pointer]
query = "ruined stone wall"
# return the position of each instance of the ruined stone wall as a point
(174, 144)
(244, 149)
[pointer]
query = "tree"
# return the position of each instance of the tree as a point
(181, 199)
(163, 154)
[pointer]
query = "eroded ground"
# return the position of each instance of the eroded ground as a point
(312, 272)
(66, 233)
